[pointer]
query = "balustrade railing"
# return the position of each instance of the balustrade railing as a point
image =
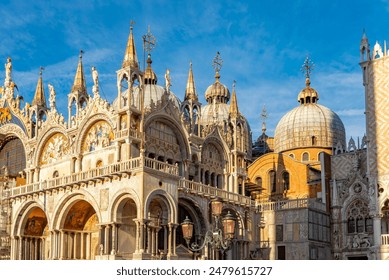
(127, 132)
(77, 177)
(201, 189)
(161, 166)
(384, 239)
(291, 204)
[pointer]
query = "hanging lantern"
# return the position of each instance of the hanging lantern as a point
(216, 206)
(187, 229)
(229, 226)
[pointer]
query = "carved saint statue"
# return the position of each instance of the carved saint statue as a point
(52, 96)
(168, 83)
(8, 69)
(95, 76)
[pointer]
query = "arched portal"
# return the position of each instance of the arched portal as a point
(80, 232)
(126, 228)
(32, 241)
(160, 231)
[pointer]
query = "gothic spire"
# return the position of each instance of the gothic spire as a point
(130, 57)
(39, 97)
(190, 92)
(79, 80)
(234, 111)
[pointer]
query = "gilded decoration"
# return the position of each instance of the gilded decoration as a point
(79, 216)
(5, 115)
(36, 223)
(99, 136)
(55, 148)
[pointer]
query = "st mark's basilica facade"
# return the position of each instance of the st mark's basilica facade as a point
(149, 176)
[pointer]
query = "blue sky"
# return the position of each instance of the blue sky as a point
(262, 43)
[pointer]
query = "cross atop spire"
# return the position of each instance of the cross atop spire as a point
(41, 68)
(307, 67)
(132, 24)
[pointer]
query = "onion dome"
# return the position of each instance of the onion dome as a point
(308, 94)
(217, 92)
(150, 77)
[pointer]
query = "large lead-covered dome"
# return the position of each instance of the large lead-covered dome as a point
(309, 125)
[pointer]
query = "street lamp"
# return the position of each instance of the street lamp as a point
(218, 238)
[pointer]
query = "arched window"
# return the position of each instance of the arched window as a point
(55, 174)
(291, 155)
(358, 219)
(99, 163)
(385, 218)
(285, 180)
(272, 180)
(13, 157)
(258, 181)
(305, 157)
(314, 140)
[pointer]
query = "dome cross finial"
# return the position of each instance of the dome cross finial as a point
(307, 67)
(217, 64)
(149, 41)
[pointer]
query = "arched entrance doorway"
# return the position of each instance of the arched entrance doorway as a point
(160, 230)
(126, 228)
(80, 232)
(32, 241)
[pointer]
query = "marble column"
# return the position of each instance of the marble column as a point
(174, 239)
(152, 241)
(148, 248)
(62, 247)
(114, 239)
(75, 247)
(106, 243)
(101, 238)
(36, 251)
(88, 246)
(165, 239)
(377, 230)
(169, 247)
